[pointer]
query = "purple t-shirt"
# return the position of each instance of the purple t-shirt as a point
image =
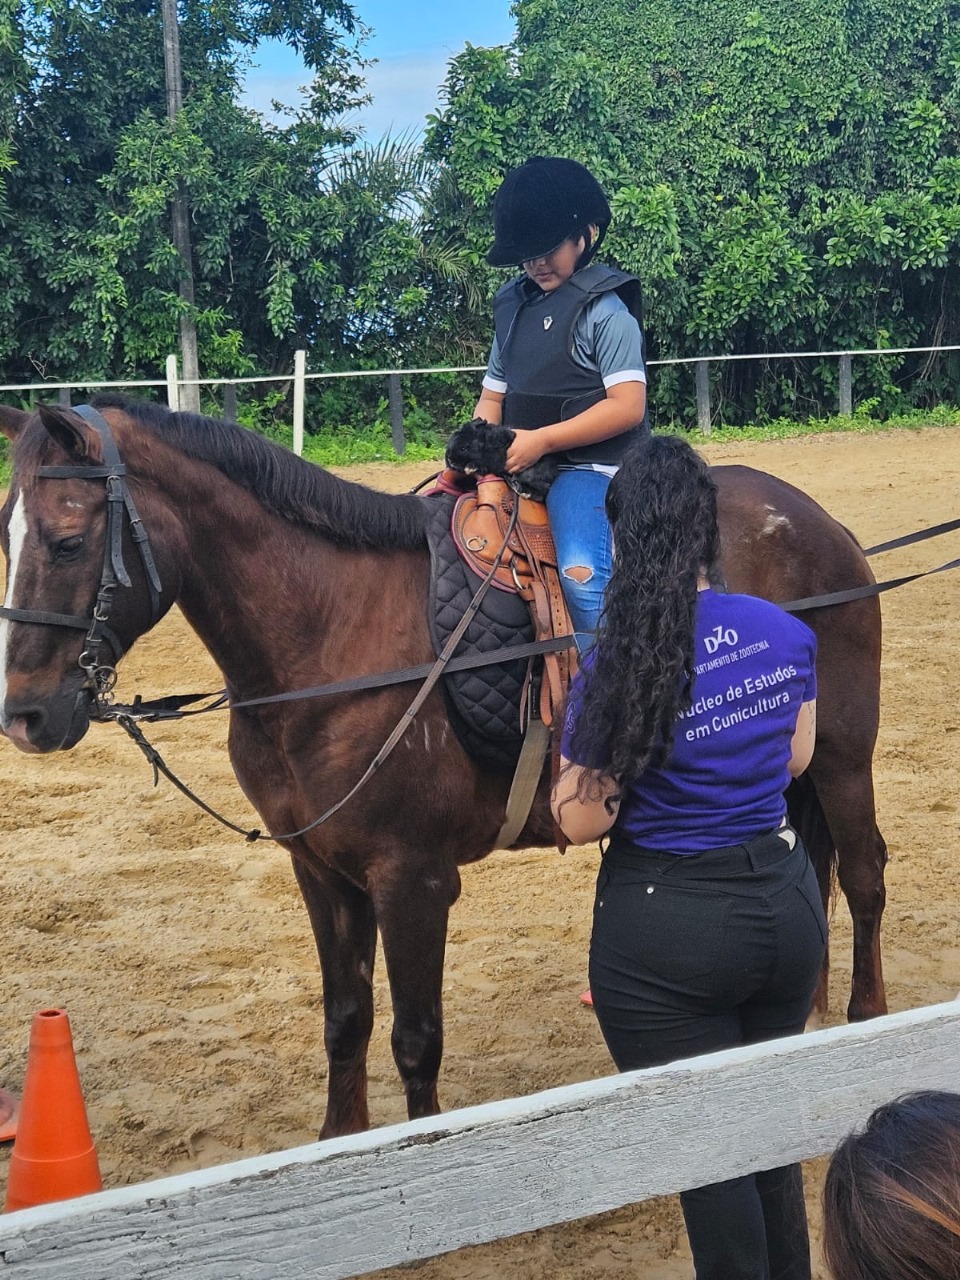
(723, 783)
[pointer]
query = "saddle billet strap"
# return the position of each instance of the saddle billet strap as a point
(526, 780)
(548, 606)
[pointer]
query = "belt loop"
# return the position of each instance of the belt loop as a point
(754, 857)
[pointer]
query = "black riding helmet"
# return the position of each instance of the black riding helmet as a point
(540, 204)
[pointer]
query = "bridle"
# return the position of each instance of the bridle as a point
(100, 677)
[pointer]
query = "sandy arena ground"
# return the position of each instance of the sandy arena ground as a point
(184, 957)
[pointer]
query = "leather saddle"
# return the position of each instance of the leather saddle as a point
(482, 533)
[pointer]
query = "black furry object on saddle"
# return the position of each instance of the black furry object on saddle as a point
(480, 448)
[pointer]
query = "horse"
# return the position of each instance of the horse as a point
(292, 577)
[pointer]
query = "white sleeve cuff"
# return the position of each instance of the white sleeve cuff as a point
(494, 384)
(625, 375)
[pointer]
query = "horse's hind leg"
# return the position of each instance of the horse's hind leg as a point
(346, 935)
(412, 916)
(846, 794)
(807, 817)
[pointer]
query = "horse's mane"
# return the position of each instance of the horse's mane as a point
(351, 515)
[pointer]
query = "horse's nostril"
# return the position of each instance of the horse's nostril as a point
(29, 717)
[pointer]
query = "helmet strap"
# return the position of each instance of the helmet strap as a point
(591, 247)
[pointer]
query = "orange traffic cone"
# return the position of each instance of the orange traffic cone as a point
(9, 1107)
(53, 1156)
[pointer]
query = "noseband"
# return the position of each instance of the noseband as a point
(101, 677)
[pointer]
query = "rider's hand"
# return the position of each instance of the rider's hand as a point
(527, 448)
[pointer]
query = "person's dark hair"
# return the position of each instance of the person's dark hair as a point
(662, 505)
(891, 1202)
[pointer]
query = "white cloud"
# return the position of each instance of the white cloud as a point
(404, 90)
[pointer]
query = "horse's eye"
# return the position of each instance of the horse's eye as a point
(67, 548)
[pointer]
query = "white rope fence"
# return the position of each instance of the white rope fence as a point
(299, 377)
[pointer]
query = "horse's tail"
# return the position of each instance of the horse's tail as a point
(809, 821)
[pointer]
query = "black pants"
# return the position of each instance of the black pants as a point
(694, 954)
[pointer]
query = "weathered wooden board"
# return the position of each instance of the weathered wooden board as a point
(353, 1205)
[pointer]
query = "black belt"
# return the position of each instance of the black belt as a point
(620, 847)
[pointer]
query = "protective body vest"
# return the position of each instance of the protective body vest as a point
(535, 336)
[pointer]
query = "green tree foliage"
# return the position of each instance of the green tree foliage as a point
(302, 237)
(785, 175)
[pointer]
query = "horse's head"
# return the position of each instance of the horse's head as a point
(81, 581)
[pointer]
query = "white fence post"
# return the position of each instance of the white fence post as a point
(173, 384)
(299, 398)
(395, 399)
(230, 401)
(846, 387)
(703, 397)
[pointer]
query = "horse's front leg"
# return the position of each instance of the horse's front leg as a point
(848, 802)
(412, 913)
(345, 930)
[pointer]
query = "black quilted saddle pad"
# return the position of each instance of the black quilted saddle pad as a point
(484, 705)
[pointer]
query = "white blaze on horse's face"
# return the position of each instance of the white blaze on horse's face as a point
(17, 534)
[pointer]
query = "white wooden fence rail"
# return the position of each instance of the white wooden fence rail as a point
(353, 1205)
(174, 383)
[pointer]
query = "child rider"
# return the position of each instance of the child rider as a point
(566, 369)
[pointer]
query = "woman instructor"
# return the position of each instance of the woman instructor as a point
(691, 715)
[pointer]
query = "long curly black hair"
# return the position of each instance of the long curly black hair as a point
(662, 504)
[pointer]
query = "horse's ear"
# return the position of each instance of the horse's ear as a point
(71, 433)
(12, 421)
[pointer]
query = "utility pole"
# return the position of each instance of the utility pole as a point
(190, 392)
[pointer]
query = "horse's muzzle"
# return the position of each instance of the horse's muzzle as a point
(37, 727)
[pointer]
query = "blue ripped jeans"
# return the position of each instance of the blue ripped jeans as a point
(584, 542)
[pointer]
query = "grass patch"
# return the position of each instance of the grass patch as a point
(860, 423)
(342, 451)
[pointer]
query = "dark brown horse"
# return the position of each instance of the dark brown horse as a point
(291, 578)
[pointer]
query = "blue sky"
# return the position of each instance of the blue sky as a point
(412, 39)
